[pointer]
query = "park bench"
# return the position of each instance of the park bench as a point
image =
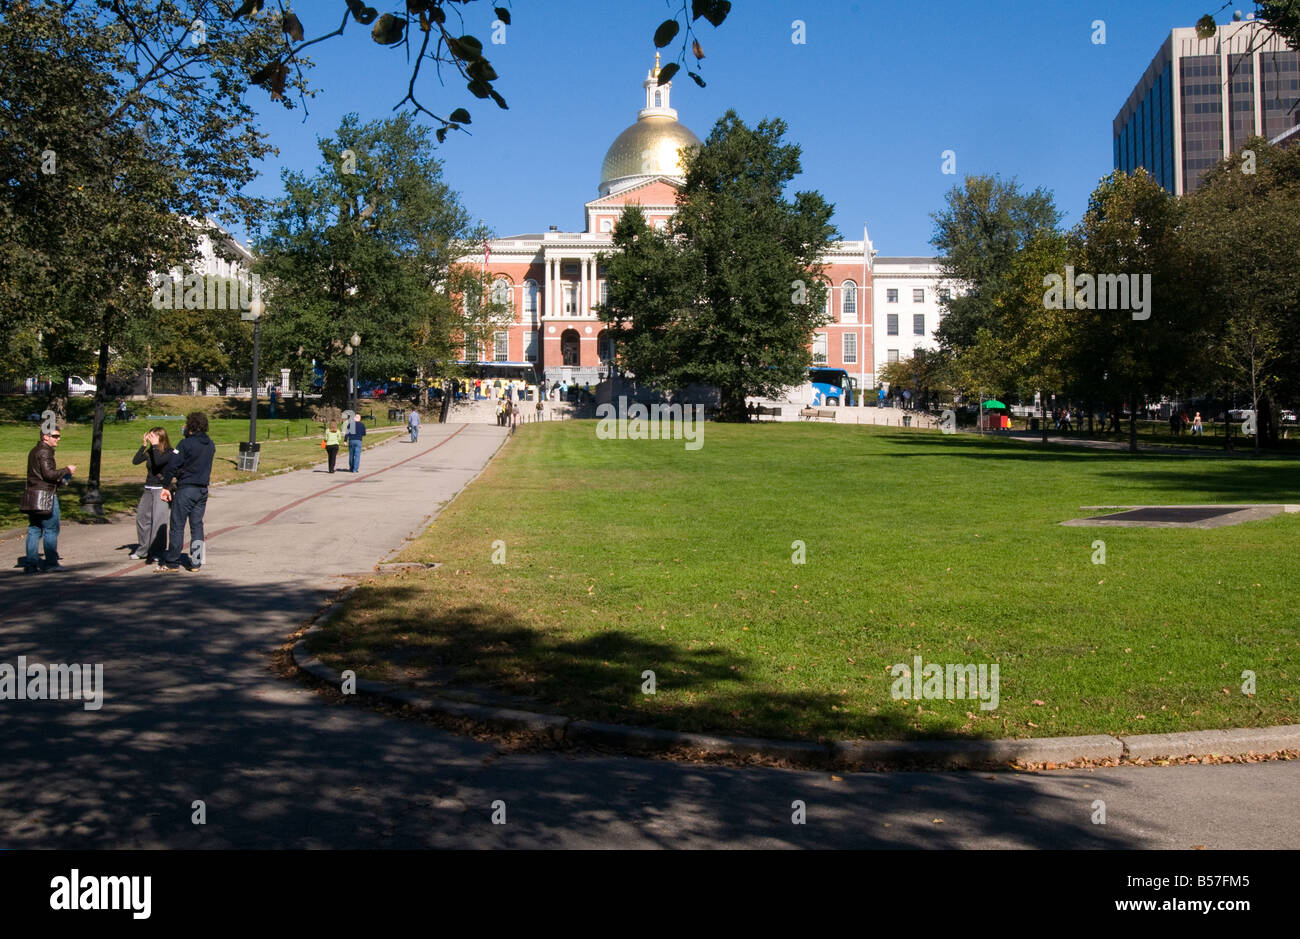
(760, 412)
(809, 414)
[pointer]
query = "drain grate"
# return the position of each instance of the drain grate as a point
(1170, 513)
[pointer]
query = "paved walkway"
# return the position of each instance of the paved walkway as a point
(193, 712)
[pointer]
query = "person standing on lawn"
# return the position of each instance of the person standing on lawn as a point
(413, 424)
(191, 467)
(356, 433)
(151, 514)
(332, 440)
(41, 503)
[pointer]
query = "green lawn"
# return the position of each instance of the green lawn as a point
(623, 556)
(285, 445)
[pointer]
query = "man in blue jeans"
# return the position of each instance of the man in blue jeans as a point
(44, 475)
(356, 431)
(191, 466)
(413, 424)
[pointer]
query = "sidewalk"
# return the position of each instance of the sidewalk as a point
(193, 713)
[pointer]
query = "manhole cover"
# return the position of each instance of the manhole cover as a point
(1171, 513)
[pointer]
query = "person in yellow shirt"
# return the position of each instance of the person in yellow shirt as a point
(332, 440)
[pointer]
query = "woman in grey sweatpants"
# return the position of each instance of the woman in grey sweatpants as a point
(152, 513)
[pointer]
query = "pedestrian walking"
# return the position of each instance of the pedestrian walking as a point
(1197, 427)
(331, 442)
(152, 513)
(355, 434)
(40, 501)
(191, 467)
(413, 424)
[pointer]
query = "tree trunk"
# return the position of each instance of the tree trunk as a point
(1132, 424)
(58, 400)
(91, 498)
(733, 408)
(335, 390)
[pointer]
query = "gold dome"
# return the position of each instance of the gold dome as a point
(649, 147)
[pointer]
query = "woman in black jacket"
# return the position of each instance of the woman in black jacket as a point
(152, 513)
(41, 503)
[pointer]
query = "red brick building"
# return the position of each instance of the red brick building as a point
(553, 280)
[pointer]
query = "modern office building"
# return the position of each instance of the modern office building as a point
(1200, 99)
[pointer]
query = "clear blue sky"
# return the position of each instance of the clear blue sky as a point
(874, 97)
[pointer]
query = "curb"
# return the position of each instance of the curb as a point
(843, 755)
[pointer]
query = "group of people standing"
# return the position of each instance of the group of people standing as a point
(1179, 423)
(175, 492)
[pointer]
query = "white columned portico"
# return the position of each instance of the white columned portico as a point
(583, 305)
(547, 290)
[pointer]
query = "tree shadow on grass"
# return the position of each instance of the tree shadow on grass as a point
(476, 648)
(191, 713)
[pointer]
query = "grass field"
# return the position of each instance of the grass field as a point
(286, 444)
(627, 556)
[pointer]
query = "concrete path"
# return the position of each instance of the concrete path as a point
(193, 712)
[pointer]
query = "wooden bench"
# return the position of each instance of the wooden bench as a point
(759, 412)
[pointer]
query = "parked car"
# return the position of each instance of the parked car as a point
(79, 386)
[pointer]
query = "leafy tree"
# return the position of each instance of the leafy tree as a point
(1280, 16)
(1240, 234)
(739, 291)
(987, 221)
(106, 149)
(1130, 230)
(361, 247)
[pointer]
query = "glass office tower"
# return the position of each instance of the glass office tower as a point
(1200, 99)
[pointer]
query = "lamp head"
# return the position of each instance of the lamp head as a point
(356, 340)
(257, 309)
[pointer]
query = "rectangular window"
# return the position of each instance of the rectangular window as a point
(819, 348)
(918, 324)
(891, 324)
(893, 355)
(570, 298)
(891, 295)
(530, 345)
(471, 350)
(604, 291)
(850, 348)
(945, 294)
(918, 295)
(501, 347)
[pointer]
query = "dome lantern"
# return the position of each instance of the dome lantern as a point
(650, 147)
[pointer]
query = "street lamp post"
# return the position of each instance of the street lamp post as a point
(255, 312)
(355, 347)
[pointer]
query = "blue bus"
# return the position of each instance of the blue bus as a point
(831, 386)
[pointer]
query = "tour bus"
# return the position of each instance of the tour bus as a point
(525, 372)
(826, 387)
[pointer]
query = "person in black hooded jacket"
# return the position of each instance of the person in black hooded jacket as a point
(191, 466)
(151, 514)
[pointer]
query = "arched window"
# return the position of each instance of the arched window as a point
(531, 293)
(849, 301)
(501, 291)
(604, 346)
(570, 347)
